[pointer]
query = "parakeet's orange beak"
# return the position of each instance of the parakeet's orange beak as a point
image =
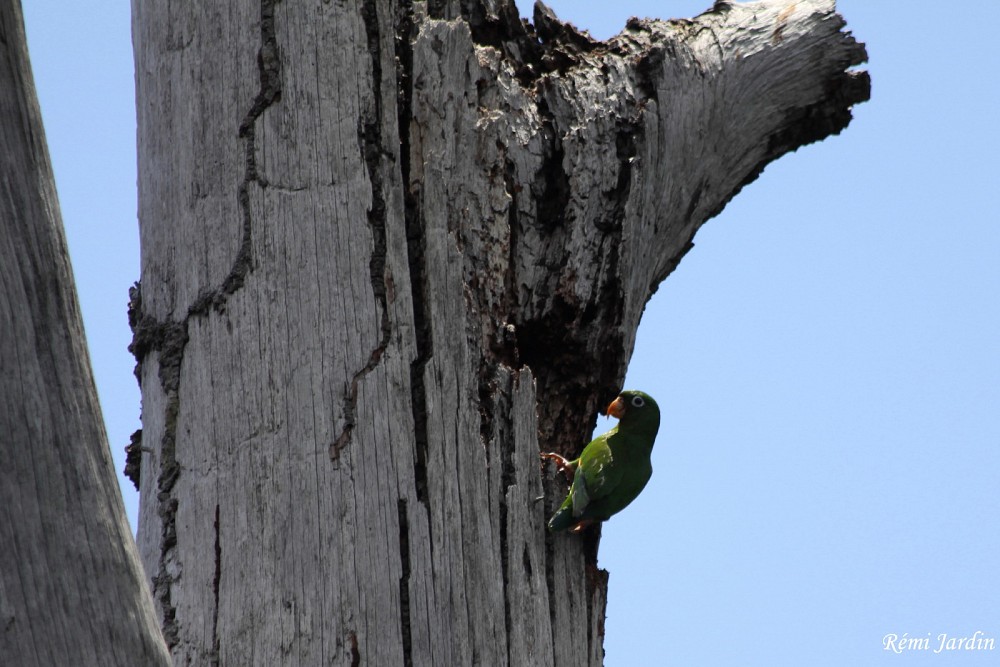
(617, 408)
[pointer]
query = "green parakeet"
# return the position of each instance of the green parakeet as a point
(613, 468)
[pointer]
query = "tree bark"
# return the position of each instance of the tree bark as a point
(72, 589)
(389, 251)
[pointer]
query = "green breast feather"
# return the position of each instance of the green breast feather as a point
(613, 469)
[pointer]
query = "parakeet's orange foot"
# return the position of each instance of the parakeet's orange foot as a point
(565, 467)
(582, 525)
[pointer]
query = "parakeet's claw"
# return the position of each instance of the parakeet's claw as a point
(566, 467)
(581, 526)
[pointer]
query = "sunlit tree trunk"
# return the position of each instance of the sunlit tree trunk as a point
(72, 589)
(390, 250)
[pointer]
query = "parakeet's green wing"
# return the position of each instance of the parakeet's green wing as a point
(597, 464)
(578, 498)
(596, 477)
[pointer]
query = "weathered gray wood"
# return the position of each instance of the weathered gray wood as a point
(390, 251)
(72, 589)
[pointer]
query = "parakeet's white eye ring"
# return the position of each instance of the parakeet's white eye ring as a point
(637, 402)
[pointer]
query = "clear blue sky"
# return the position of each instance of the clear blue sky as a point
(827, 357)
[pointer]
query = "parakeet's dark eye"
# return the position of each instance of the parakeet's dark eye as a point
(637, 402)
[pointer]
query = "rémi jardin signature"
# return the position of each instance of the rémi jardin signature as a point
(978, 641)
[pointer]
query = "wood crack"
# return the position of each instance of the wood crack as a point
(214, 657)
(625, 152)
(404, 582)
(370, 140)
(495, 403)
(269, 69)
(170, 338)
(551, 188)
(550, 562)
(415, 252)
(352, 638)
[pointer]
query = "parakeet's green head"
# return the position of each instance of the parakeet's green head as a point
(637, 412)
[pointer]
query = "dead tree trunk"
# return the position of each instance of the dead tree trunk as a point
(390, 250)
(72, 589)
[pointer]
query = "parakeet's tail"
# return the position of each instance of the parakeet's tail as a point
(562, 519)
